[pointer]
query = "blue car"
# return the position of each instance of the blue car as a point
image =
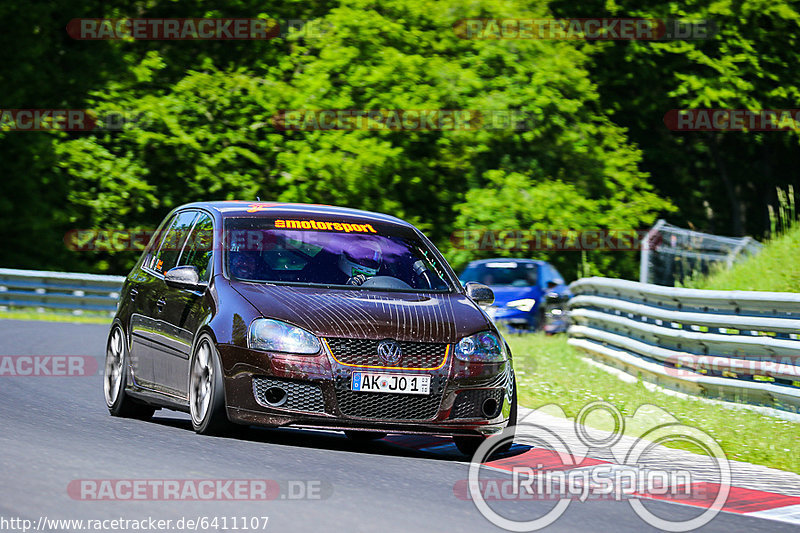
(529, 294)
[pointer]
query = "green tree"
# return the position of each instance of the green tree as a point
(206, 131)
(722, 182)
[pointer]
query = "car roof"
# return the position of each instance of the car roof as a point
(239, 208)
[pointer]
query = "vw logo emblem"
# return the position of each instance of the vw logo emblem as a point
(389, 352)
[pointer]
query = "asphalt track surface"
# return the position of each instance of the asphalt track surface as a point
(57, 429)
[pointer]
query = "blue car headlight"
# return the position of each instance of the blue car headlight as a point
(484, 347)
(275, 336)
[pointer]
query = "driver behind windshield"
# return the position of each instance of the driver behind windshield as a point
(245, 264)
(360, 262)
(261, 253)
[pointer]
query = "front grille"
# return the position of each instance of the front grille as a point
(299, 396)
(364, 352)
(386, 406)
(468, 403)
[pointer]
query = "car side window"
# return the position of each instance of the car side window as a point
(551, 277)
(155, 243)
(198, 249)
(174, 240)
(558, 279)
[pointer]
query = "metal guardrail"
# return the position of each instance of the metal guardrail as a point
(734, 345)
(737, 345)
(59, 290)
(670, 253)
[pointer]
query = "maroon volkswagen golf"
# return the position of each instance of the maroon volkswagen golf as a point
(309, 316)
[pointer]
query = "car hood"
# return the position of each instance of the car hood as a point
(504, 294)
(420, 317)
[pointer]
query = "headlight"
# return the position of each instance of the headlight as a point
(481, 347)
(275, 336)
(524, 305)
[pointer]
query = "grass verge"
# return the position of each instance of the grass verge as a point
(775, 268)
(549, 371)
(52, 316)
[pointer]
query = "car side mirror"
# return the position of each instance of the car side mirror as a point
(184, 277)
(553, 298)
(479, 293)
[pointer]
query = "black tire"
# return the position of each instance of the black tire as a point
(468, 445)
(115, 379)
(210, 418)
(540, 318)
(364, 436)
(512, 417)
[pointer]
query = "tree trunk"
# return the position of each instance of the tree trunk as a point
(737, 215)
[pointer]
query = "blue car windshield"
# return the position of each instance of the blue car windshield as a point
(321, 253)
(508, 273)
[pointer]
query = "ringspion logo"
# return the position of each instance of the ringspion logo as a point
(563, 471)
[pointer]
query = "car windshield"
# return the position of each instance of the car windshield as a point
(501, 273)
(327, 253)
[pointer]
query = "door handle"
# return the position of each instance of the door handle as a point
(161, 303)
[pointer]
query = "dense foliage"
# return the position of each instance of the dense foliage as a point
(595, 155)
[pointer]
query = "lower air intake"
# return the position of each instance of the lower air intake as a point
(300, 396)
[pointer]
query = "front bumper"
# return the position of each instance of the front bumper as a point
(321, 396)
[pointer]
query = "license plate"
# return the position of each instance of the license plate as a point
(394, 383)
